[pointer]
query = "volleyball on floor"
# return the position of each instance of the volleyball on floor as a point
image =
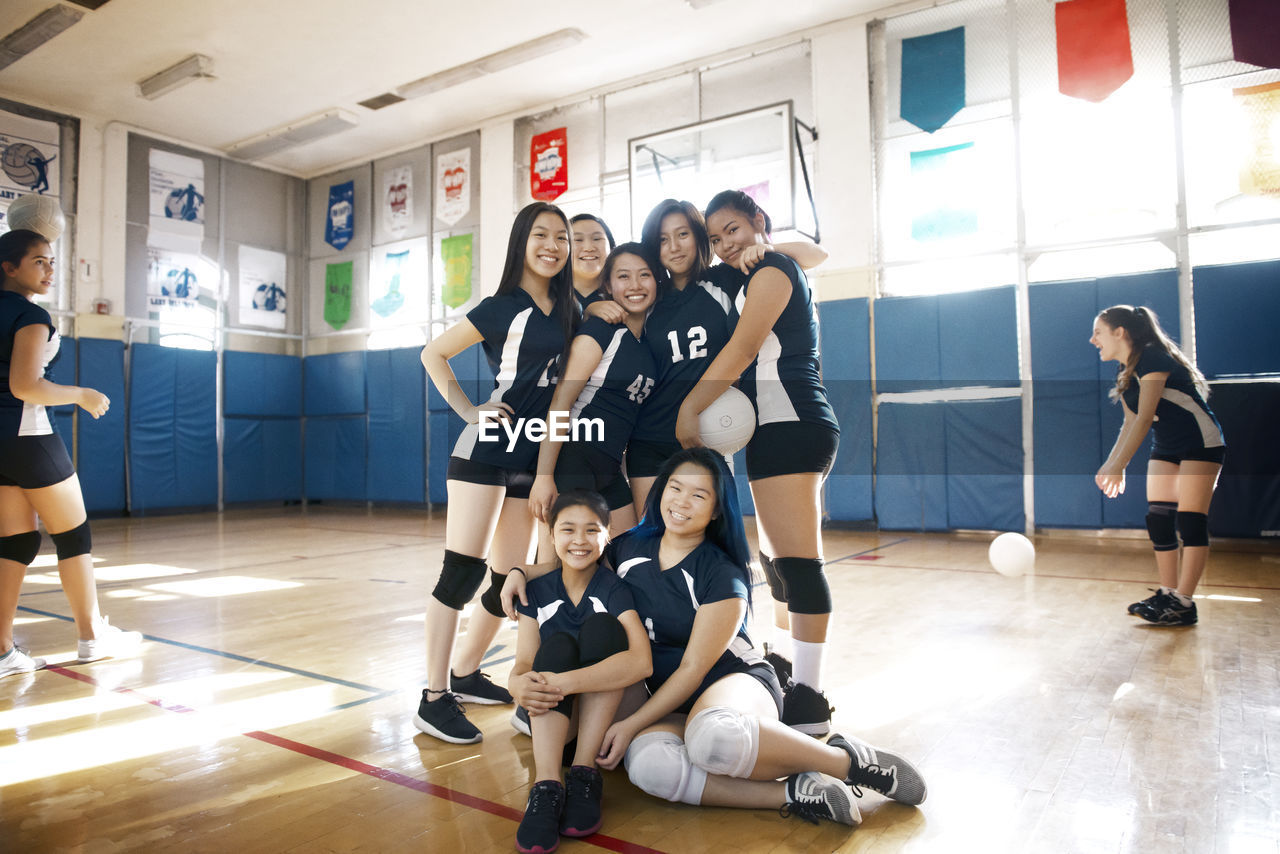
(1012, 554)
(727, 424)
(40, 214)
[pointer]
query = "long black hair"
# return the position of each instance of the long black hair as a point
(1144, 330)
(740, 202)
(561, 283)
(640, 251)
(651, 234)
(725, 529)
(14, 246)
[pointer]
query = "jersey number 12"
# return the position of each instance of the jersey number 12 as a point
(697, 344)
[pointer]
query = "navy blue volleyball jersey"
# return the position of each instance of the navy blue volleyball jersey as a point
(668, 601)
(619, 384)
(583, 302)
(685, 331)
(523, 346)
(784, 382)
(17, 417)
(1184, 421)
(550, 605)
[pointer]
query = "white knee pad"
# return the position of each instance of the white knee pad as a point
(659, 765)
(721, 740)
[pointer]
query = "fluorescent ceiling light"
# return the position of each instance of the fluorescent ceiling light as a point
(296, 133)
(36, 32)
(514, 55)
(193, 67)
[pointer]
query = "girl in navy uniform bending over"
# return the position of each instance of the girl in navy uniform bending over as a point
(524, 330)
(609, 375)
(580, 644)
(692, 320)
(774, 350)
(1162, 391)
(592, 242)
(708, 731)
(36, 475)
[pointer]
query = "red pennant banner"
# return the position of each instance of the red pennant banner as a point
(1094, 55)
(549, 165)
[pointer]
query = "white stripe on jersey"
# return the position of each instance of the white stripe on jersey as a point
(596, 380)
(35, 418)
(773, 404)
(506, 376)
(546, 612)
(627, 564)
(597, 606)
(688, 580)
(1210, 435)
(718, 295)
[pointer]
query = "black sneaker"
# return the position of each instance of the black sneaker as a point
(539, 830)
(583, 788)
(881, 771)
(1166, 610)
(445, 719)
(478, 688)
(781, 664)
(520, 721)
(806, 710)
(813, 796)
(1150, 600)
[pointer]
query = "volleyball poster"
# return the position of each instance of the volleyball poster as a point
(549, 165)
(262, 288)
(453, 185)
(340, 222)
(397, 195)
(1094, 54)
(932, 78)
(174, 279)
(177, 202)
(944, 182)
(1260, 171)
(456, 252)
(337, 293)
(28, 159)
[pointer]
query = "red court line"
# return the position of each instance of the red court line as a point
(600, 840)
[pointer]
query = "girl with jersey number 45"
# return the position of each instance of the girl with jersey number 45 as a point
(1162, 391)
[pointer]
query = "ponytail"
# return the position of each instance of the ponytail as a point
(1144, 330)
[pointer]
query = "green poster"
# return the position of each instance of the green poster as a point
(337, 293)
(456, 252)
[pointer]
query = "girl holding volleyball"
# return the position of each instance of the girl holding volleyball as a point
(36, 475)
(774, 351)
(1162, 391)
(524, 329)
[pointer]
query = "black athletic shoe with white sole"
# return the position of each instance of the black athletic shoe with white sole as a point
(881, 771)
(813, 796)
(478, 688)
(1150, 600)
(445, 719)
(806, 710)
(1166, 610)
(520, 721)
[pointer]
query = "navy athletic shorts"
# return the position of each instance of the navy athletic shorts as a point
(518, 483)
(791, 447)
(34, 462)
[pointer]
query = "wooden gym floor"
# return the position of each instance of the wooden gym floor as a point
(270, 708)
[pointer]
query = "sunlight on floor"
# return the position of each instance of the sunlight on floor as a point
(226, 585)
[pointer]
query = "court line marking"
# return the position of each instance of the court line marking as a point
(599, 840)
(1147, 581)
(870, 550)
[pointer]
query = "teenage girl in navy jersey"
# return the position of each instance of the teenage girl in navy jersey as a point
(609, 375)
(1161, 390)
(592, 242)
(774, 351)
(524, 329)
(36, 474)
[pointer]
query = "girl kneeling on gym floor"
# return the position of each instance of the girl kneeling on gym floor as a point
(709, 731)
(580, 644)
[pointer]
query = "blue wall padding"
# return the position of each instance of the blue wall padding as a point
(468, 366)
(984, 464)
(258, 384)
(334, 384)
(1247, 502)
(63, 372)
(336, 458)
(978, 338)
(1236, 310)
(846, 374)
(397, 426)
(907, 345)
(1157, 290)
(101, 442)
(911, 464)
(262, 459)
(173, 456)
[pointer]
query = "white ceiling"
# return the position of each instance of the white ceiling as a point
(277, 61)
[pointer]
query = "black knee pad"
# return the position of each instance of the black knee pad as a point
(807, 588)
(777, 587)
(1161, 527)
(20, 548)
(73, 543)
(601, 636)
(558, 654)
(1194, 528)
(492, 598)
(460, 578)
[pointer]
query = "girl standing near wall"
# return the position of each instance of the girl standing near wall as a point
(1161, 389)
(524, 329)
(36, 475)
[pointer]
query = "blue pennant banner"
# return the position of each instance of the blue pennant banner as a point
(342, 215)
(932, 78)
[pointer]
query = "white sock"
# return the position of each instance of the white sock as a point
(780, 642)
(1184, 600)
(807, 663)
